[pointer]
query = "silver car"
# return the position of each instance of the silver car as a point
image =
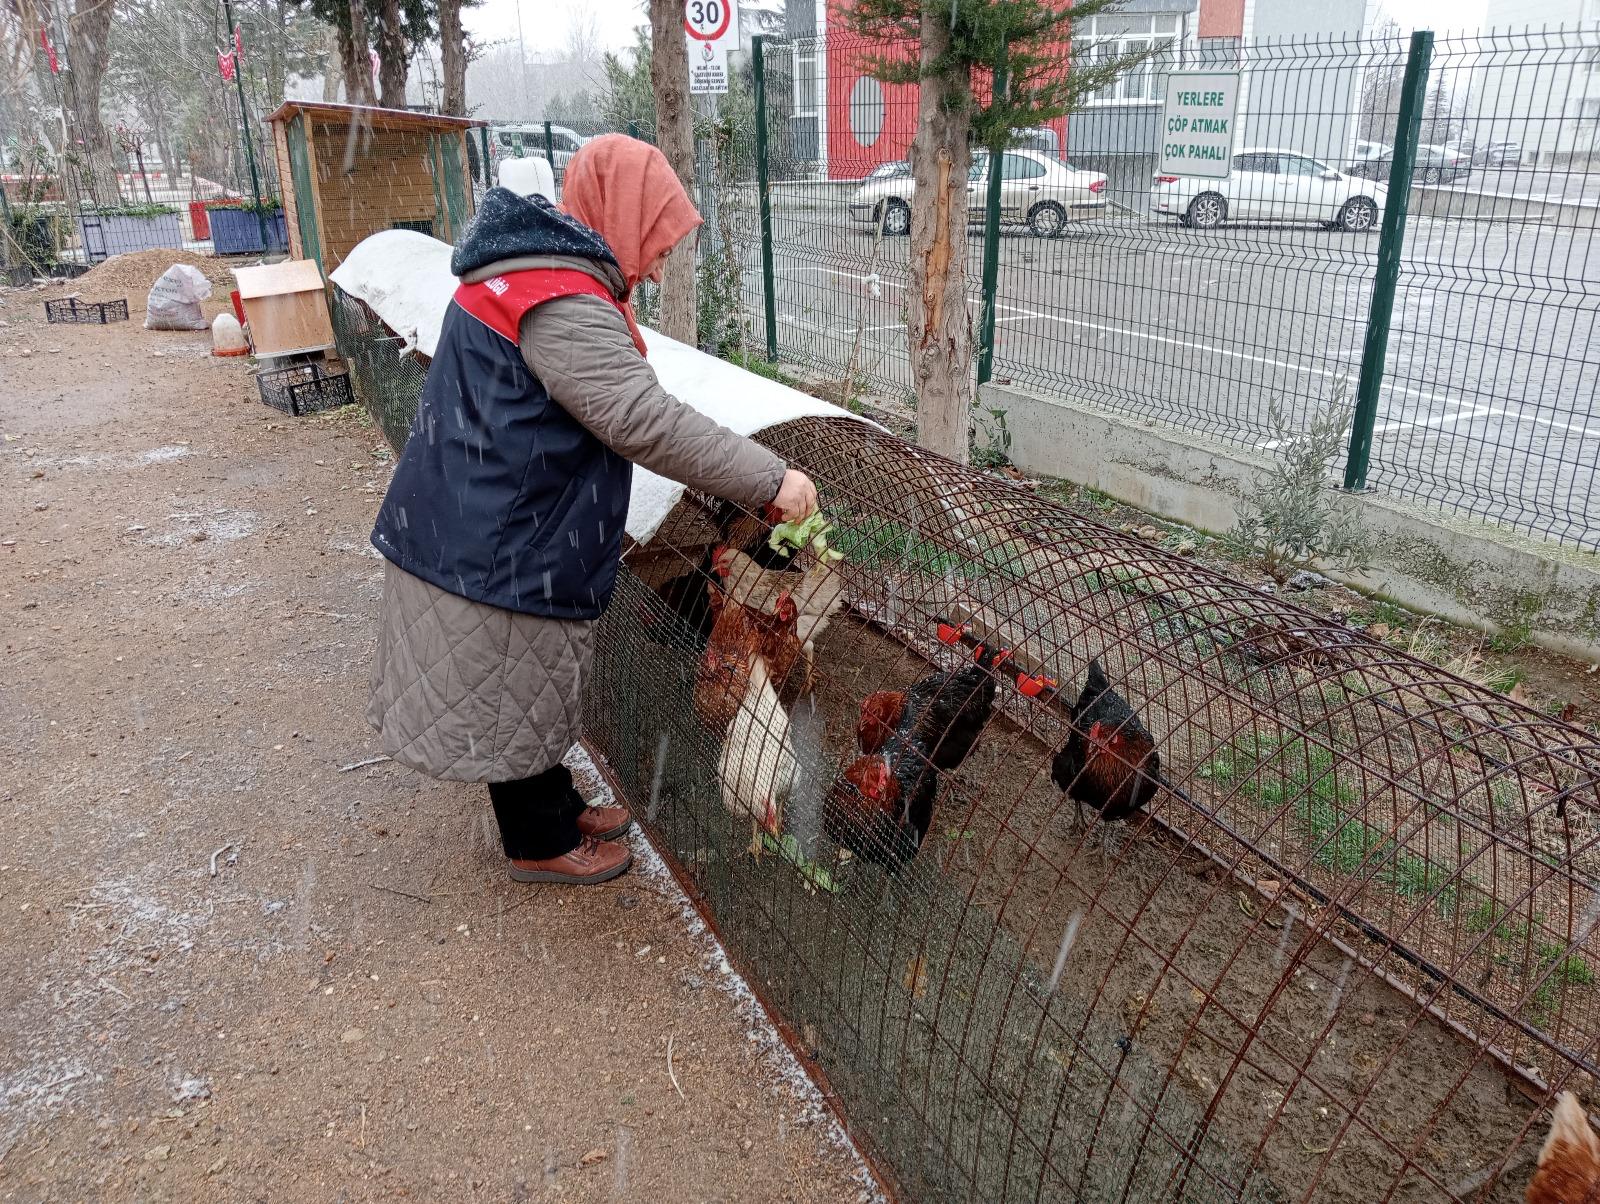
(1036, 191)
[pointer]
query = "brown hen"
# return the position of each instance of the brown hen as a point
(1569, 1163)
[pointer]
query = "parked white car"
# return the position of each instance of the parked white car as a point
(1037, 191)
(516, 141)
(1273, 185)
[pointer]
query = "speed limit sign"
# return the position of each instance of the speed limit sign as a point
(712, 29)
(707, 20)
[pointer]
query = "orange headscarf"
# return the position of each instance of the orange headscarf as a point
(625, 191)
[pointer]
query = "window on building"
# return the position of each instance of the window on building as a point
(805, 80)
(866, 110)
(1108, 37)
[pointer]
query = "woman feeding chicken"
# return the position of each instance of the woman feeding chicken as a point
(502, 526)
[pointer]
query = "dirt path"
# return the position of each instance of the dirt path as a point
(356, 1004)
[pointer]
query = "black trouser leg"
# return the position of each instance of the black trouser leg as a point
(538, 816)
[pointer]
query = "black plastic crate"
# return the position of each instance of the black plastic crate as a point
(305, 389)
(96, 313)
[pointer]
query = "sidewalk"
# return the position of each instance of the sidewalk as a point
(241, 964)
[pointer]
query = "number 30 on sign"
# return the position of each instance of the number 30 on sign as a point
(712, 29)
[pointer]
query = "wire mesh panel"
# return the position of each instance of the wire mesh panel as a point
(841, 194)
(1494, 369)
(388, 380)
(1351, 907)
(1232, 308)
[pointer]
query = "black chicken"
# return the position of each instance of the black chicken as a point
(1110, 761)
(881, 806)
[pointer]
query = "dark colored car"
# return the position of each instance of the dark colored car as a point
(1498, 154)
(1434, 165)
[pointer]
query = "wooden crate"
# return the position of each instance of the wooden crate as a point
(286, 307)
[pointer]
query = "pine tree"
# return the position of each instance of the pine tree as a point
(952, 47)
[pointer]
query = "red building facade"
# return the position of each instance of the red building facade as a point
(860, 124)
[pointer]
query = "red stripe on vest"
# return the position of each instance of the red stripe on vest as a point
(500, 301)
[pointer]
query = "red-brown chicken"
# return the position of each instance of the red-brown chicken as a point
(881, 806)
(688, 595)
(1110, 761)
(739, 635)
(1569, 1164)
(880, 715)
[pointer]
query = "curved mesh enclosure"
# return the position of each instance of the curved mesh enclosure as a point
(387, 382)
(1341, 950)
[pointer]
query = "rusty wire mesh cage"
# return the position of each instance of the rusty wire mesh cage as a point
(1342, 953)
(1338, 955)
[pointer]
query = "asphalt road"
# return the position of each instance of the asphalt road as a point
(1488, 404)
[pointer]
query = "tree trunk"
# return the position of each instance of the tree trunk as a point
(354, 52)
(392, 62)
(938, 327)
(278, 48)
(669, 81)
(88, 53)
(453, 56)
(333, 69)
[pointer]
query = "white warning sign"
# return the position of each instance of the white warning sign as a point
(712, 29)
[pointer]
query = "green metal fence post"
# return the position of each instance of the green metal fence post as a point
(550, 149)
(991, 235)
(1391, 241)
(633, 128)
(488, 173)
(244, 124)
(769, 286)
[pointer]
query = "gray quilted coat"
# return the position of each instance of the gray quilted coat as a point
(470, 692)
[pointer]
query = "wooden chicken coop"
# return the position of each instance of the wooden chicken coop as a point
(1075, 870)
(357, 170)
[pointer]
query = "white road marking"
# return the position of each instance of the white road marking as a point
(1466, 413)
(1024, 314)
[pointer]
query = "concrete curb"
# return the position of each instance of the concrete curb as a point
(1464, 571)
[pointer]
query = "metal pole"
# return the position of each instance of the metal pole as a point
(550, 151)
(633, 128)
(488, 173)
(769, 286)
(991, 234)
(11, 233)
(244, 124)
(1391, 240)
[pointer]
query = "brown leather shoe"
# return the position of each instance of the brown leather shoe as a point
(604, 823)
(592, 861)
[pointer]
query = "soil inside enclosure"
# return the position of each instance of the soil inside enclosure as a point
(246, 961)
(1187, 1014)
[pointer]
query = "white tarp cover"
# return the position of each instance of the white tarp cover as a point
(404, 276)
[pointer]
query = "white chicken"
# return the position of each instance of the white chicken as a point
(758, 767)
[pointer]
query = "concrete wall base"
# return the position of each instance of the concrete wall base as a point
(1470, 573)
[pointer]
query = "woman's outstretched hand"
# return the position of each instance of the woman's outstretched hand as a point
(797, 496)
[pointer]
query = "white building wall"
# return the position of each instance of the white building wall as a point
(1538, 81)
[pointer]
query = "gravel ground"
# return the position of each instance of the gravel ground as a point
(240, 968)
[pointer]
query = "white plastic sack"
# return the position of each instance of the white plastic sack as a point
(174, 301)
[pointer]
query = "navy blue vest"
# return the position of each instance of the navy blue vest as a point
(501, 496)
